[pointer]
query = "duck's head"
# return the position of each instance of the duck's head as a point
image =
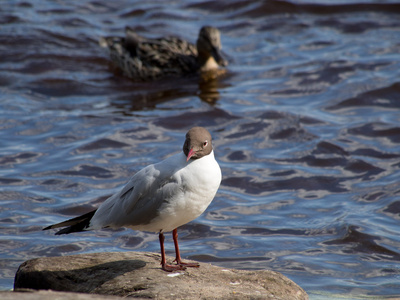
(209, 49)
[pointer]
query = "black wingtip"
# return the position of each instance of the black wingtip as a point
(48, 227)
(77, 224)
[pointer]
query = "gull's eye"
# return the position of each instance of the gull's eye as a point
(205, 144)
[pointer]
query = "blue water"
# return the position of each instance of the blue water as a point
(305, 124)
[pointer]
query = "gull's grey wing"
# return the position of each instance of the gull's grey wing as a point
(138, 202)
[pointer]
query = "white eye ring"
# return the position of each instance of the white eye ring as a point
(205, 143)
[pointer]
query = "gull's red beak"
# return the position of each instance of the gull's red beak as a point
(190, 154)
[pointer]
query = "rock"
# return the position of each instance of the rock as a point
(138, 274)
(52, 295)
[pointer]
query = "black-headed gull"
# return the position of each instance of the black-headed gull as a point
(161, 197)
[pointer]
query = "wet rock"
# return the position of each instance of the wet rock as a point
(138, 274)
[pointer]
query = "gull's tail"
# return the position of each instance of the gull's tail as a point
(77, 224)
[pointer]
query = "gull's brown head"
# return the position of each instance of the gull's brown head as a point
(198, 143)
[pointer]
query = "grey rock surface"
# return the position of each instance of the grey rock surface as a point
(52, 295)
(138, 274)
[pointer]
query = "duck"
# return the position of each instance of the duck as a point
(146, 59)
(161, 197)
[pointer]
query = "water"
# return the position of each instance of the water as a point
(306, 130)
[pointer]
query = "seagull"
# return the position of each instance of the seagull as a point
(147, 59)
(160, 197)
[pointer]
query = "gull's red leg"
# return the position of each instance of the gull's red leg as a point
(164, 265)
(178, 258)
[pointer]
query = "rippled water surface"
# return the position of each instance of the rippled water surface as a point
(306, 126)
